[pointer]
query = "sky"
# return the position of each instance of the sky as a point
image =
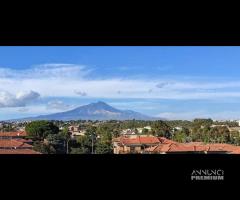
(171, 82)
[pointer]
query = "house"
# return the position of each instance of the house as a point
(140, 130)
(18, 151)
(133, 144)
(27, 141)
(78, 133)
(231, 129)
(177, 128)
(13, 135)
(171, 147)
(154, 145)
(238, 121)
(15, 143)
(218, 125)
(128, 132)
(73, 128)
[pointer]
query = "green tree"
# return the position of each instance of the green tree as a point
(66, 137)
(103, 148)
(57, 142)
(202, 122)
(180, 136)
(38, 130)
(44, 148)
(85, 144)
(161, 129)
(81, 150)
(145, 131)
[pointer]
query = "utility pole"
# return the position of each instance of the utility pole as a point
(67, 145)
(92, 144)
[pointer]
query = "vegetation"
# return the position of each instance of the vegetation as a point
(39, 130)
(99, 134)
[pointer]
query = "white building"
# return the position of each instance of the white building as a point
(238, 122)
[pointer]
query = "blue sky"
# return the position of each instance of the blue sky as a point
(170, 82)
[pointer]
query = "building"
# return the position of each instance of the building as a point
(238, 121)
(13, 135)
(218, 125)
(18, 151)
(170, 147)
(15, 143)
(140, 130)
(231, 129)
(76, 131)
(177, 128)
(73, 128)
(133, 144)
(128, 132)
(161, 145)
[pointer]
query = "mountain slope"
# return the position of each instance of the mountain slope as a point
(94, 111)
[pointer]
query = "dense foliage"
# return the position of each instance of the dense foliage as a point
(41, 129)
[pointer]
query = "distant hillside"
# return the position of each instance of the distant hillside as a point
(93, 111)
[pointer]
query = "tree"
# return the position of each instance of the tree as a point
(145, 131)
(235, 138)
(103, 148)
(202, 122)
(66, 137)
(44, 148)
(57, 142)
(161, 129)
(39, 130)
(81, 150)
(84, 144)
(180, 136)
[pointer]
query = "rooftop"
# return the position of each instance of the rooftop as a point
(138, 140)
(14, 144)
(172, 147)
(13, 134)
(18, 151)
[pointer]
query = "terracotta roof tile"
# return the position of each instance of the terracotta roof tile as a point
(163, 145)
(18, 151)
(138, 140)
(13, 134)
(148, 140)
(24, 140)
(14, 144)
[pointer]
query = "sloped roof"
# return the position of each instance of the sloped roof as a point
(13, 134)
(14, 144)
(18, 151)
(139, 140)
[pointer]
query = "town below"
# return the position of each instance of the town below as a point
(199, 136)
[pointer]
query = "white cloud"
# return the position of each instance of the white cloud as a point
(23, 109)
(182, 115)
(220, 115)
(69, 80)
(46, 71)
(80, 93)
(162, 85)
(57, 105)
(19, 100)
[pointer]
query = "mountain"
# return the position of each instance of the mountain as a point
(93, 111)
